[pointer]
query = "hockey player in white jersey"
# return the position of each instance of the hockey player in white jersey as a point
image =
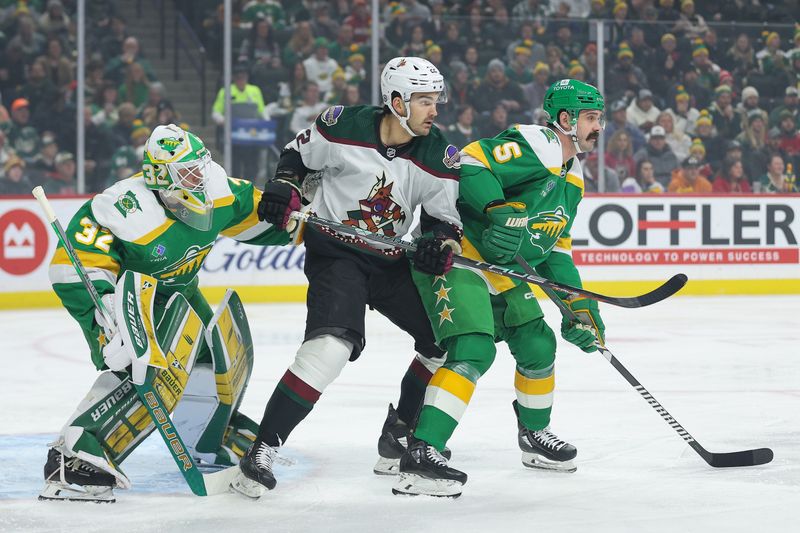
(376, 165)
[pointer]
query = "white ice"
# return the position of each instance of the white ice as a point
(727, 368)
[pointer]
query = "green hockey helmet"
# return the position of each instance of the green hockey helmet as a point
(572, 96)
(177, 165)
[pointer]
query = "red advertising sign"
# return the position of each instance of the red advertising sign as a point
(23, 244)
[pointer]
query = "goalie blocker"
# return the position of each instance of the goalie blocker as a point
(84, 463)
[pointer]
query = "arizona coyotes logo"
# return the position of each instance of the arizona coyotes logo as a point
(546, 227)
(189, 264)
(169, 143)
(378, 212)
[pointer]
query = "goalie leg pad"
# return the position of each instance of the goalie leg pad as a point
(111, 421)
(215, 432)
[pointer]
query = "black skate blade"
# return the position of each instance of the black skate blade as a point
(759, 456)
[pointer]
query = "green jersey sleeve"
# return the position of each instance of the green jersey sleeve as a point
(244, 225)
(100, 255)
(515, 158)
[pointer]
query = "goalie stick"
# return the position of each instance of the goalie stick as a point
(754, 457)
(670, 287)
(200, 484)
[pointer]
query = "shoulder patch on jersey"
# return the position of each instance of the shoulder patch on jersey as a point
(127, 203)
(128, 209)
(452, 157)
(544, 143)
(331, 115)
(549, 135)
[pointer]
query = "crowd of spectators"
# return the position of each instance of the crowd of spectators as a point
(690, 87)
(124, 99)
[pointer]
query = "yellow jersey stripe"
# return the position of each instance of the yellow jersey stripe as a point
(576, 181)
(88, 259)
(247, 223)
(474, 150)
(224, 201)
(534, 386)
(149, 237)
(565, 243)
(500, 283)
(455, 384)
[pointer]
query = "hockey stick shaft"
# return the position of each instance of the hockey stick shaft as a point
(667, 289)
(743, 458)
(146, 392)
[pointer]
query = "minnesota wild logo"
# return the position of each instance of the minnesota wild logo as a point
(127, 204)
(548, 135)
(188, 265)
(169, 143)
(546, 227)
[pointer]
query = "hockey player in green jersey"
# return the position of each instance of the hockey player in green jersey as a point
(519, 194)
(161, 223)
(376, 166)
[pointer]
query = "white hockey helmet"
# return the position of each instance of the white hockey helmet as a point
(409, 75)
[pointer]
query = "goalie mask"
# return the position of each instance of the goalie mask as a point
(406, 76)
(176, 164)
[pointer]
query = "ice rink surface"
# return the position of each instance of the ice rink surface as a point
(726, 367)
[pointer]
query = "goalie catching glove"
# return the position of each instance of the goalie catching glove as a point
(588, 330)
(281, 197)
(503, 238)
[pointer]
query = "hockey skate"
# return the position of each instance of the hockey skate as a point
(72, 479)
(393, 443)
(423, 470)
(543, 449)
(255, 476)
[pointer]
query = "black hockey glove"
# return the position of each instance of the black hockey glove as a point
(280, 198)
(434, 255)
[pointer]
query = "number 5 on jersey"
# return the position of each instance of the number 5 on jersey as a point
(504, 152)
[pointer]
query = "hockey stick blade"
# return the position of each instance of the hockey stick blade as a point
(755, 457)
(759, 456)
(673, 285)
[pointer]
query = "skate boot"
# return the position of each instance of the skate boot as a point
(423, 470)
(393, 443)
(255, 476)
(70, 478)
(543, 449)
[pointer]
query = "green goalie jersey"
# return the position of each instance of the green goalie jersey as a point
(523, 164)
(127, 228)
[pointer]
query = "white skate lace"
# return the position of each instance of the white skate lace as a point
(264, 456)
(546, 438)
(75, 464)
(435, 457)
